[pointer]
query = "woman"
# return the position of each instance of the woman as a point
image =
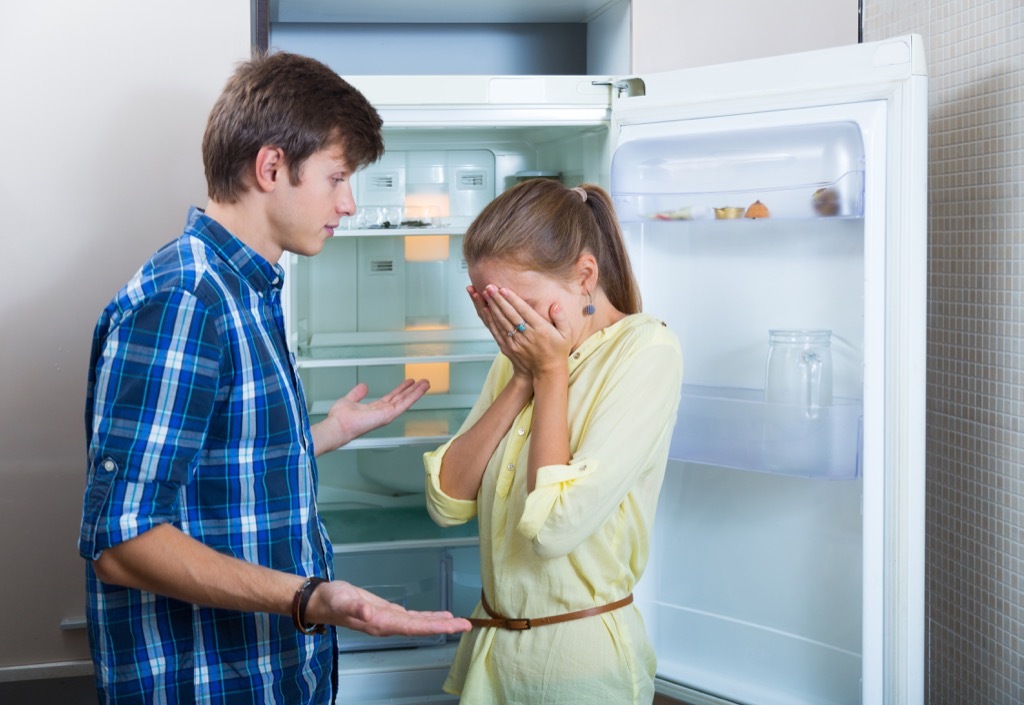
(561, 457)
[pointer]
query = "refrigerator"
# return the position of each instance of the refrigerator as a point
(774, 211)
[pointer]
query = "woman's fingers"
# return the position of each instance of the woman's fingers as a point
(514, 313)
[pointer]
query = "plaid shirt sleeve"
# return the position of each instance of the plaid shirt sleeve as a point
(157, 372)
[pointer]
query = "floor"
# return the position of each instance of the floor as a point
(53, 691)
(80, 691)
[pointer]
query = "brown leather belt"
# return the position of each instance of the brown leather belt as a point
(520, 624)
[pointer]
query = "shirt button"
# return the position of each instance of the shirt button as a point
(109, 465)
(575, 356)
(510, 466)
(521, 431)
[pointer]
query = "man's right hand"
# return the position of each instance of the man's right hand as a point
(345, 605)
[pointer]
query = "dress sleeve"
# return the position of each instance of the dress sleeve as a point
(155, 380)
(622, 440)
(444, 509)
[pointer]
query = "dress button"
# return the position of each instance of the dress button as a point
(109, 465)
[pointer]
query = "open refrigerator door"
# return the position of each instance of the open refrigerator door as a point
(775, 217)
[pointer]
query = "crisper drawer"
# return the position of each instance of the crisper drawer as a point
(417, 579)
(423, 578)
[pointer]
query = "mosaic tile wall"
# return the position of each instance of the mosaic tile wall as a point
(975, 495)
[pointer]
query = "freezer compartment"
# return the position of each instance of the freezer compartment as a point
(753, 591)
(809, 171)
(737, 428)
(428, 188)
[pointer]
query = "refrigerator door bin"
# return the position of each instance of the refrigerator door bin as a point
(795, 172)
(737, 428)
(776, 622)
(842, 197)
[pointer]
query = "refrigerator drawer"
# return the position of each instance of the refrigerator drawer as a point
(417, 579)
(401, 677)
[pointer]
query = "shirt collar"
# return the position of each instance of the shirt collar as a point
(250, 265)
(600, 337)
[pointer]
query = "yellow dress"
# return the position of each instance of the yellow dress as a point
(581, 538)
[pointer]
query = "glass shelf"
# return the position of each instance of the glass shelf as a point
(414, 427)
(352, 530)
(399, 231)
(396, 353)
(736, 428)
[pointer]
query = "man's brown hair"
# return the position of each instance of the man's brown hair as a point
(291, 102)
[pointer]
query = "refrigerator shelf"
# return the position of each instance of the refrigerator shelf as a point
(839, 198)
(326, 355)
(364, 529)
(400, 232)
(414, 427)
(736, 428)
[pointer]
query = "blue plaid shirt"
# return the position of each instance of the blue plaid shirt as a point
(195, 417)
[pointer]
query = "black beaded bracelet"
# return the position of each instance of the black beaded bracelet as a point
(299, 603)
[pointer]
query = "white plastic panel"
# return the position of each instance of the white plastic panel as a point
(757, 598)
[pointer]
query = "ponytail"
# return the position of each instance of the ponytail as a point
(617, 278)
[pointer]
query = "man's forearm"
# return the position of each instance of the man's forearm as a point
(165, 561)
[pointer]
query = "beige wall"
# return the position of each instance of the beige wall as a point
(104, 105)
(975, 495)
(678, 34)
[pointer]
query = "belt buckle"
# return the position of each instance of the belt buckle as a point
(518, 624)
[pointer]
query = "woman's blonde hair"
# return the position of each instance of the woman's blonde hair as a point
(544, 226)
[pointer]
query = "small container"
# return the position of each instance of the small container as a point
(729, 213)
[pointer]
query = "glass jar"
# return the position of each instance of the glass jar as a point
(799, 370)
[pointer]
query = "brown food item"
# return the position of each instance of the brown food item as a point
(757, 210)
(825, 201)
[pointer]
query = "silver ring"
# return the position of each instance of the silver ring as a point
(521, 327)
(511, 332)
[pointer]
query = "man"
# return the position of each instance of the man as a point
(200, 524)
